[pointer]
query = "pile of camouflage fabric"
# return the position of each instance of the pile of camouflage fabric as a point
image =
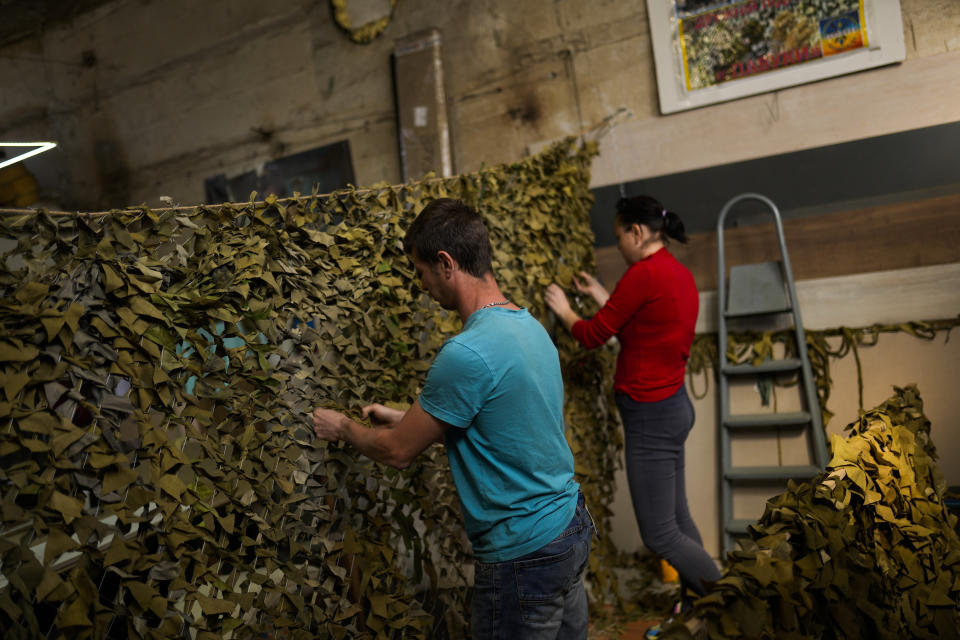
(865, 550)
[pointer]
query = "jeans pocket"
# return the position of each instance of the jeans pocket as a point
(485, 580)
(485, 606)
(542, 584)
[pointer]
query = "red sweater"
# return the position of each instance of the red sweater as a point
(653, 312)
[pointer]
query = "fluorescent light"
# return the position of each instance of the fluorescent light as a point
(40, 147)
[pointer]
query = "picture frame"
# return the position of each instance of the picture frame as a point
(712, 51)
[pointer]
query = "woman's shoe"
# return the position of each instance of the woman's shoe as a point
(680, 606)
(653, 632)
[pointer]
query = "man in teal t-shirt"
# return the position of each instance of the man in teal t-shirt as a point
(498, 385)
(495, 394)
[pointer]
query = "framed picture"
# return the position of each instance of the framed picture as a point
(709, 51)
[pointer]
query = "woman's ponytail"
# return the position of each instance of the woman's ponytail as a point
(673, 227)
(650, 213)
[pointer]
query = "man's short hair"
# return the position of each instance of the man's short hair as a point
(452, 226)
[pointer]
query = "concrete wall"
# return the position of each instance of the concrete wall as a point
(148, 98)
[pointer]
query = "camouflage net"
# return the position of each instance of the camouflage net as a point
(865, 550)
(158, 475)
(366, 33)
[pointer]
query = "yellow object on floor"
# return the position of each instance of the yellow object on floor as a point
(667, 572)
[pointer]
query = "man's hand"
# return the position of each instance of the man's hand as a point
(406, 436)
(382, 416)
(329, 424)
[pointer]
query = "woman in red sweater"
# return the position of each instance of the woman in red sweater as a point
(653, 313)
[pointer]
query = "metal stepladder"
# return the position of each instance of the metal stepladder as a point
(758, 293)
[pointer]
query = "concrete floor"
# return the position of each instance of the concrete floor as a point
(633, 630)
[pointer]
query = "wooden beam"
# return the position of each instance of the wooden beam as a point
(880, 238)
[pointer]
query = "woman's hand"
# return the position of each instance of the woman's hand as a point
(556, 299)
(589, 285)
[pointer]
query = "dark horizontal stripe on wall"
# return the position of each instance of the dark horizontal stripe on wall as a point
(904, 235)
(909, 165)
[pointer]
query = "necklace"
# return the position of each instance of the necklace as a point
(494, 304)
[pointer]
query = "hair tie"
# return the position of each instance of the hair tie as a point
(663, 213)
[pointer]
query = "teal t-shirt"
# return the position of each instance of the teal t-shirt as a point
(498, 385)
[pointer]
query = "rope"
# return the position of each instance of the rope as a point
(606, 125)
(755, 347)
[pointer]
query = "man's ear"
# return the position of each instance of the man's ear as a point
(446, 263)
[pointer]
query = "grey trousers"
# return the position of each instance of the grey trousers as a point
(655, 433)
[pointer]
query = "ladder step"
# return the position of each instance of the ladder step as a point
(761, 421)
(738, 527)
(769, 366)
(756, 288)
(771, 473)
(757, 314)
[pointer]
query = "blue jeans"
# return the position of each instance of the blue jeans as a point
(539, 595)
